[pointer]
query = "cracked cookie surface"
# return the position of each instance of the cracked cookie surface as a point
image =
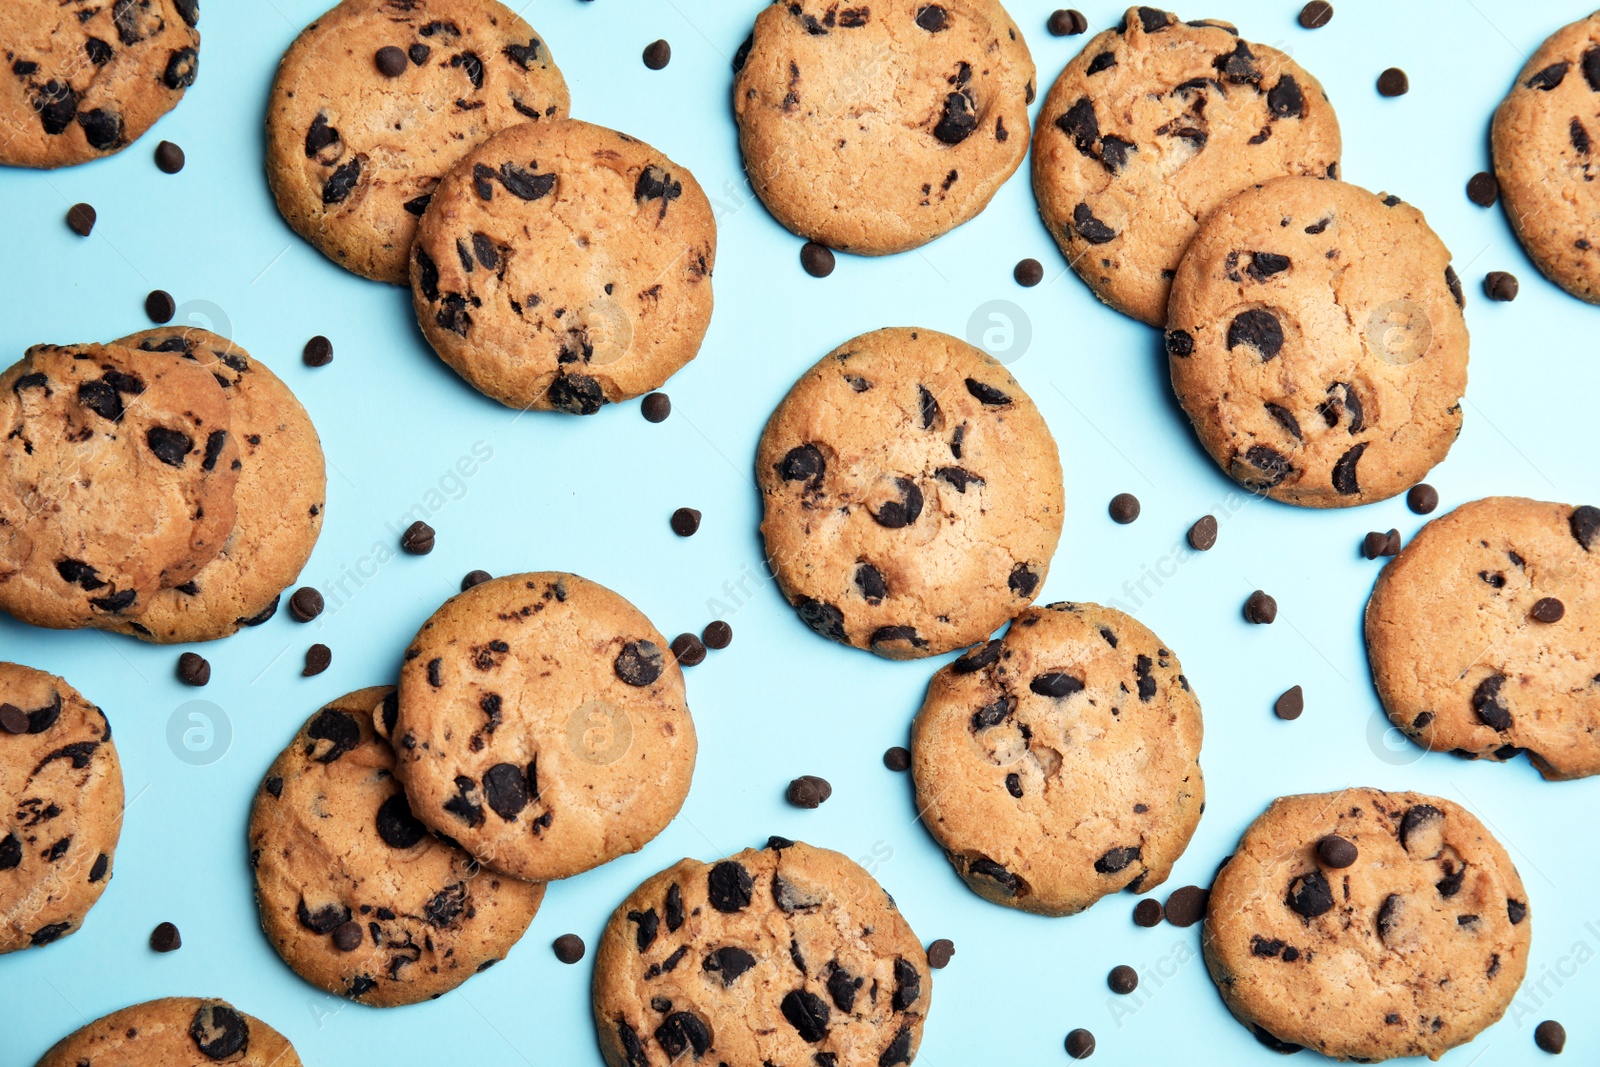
(356, 895)
(175, 1032)
(912, 494)
(564, 266)
(541, 723)
(353, 154)
(1316, 342)
(1410, 950)
(1152, 126)
(874, 128)
(788, 954)
(1460, 657)
(1060, 762)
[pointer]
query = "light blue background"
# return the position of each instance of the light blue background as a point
(593, 496)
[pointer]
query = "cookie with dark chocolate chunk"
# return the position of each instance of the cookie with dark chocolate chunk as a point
(175, 1032)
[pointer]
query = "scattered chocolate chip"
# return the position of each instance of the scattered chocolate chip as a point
(193, 669)
(897, 759)
(1547, 609)
(1422, 498)
(1393, 82)
(1123, 979)
(568, 948)
(1500, 285)
(657, 54)
(689, 650)
(1550, 1036)
(1203, 534)
(418, 539)
(1147, 912)
(1028, 273)
(1124, 508)
(1080, 1044)
(318, 352)
(656, 407)
(685, 521)
(1316, 14)
(472, 578)
(817, 260)
(1483, 189)
(306, 604)
(1260, 608)
(165, 938)
(391, 61)
(808, 791)
(159, 306)
(1067, 22)
(1187, 905)
(13, 720)
(347, 935)
(80, 219)
(318, 657)
(717, 634)
(1289, 706)
(1377, 544)
(169, 157)
(1336, 852)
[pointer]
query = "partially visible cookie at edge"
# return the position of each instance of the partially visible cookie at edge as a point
(175, 1032)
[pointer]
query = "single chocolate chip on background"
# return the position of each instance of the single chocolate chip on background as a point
(689, 650)
(1260, 608)
(165, 938)
(347, 936)
(1028, 273)
(568, 948)
(1500, 285)
(1550, 1036)
(808, 791)
(717, 634)
(1203, 534)
(1289, 706)
(1148, 912)
(318, 659)
(169, 157)
(80, 219)
(1422, 498)
(13, 720)
(306, 604)
(1316, 14)
(656, 407)
(940, 953)
(418, 539)
(897, 759)
(1187, 905)
(391, 61)
(657, 54)
(1067, 22)
(1393, 82)
(1483, 189)
(685, 521)
(159, 306)
(318, 352)
(1124, 508)
(193, 669)
(1080, 1044)
(1123, 979)
(472, 578)
(1547, 609)
(1337, 852)
(816, 260)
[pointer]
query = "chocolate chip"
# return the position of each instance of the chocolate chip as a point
(1336, 852)
(219, 1032)
(688, 650)
(318, 352)
(1117, 859)
(685, 521)
(418, 539)
(1067, 22)
(472, 578)
(897, 759)
(1178, 343)
(639, 663)
(1289, 706)
(817, 260)
(1028, 273)
(1187, 905)
(987, 395)
(1260, 608)
(80, 218)
(717, 634)
(1550, 1036)
(807, 1013)
(306, 604)
(1258, 329)
(1500, 285)
(1393, 82)
(1147, 912)
(1547, 609)
(1483, 189)
(1022, 580)
(1310, 894)
(318, 658)
(165, 938)
(1377, 544)
(159, 306)
(956, 123)
(391, 61)
(1203, 534)
(397, 826)
(656, 407)
(1422, 498)
(347, 936)
(803, 463)
(808, 791)
(1123, 979)
(898, 514)
(1080, 1044)
(1550, 77)
(657, 54)
(568, 948)
(1316, 14)
(1124, 508)
(13, 720)
(729, 887)
(1486, 703)
(1584, 523)
(505, 790)
(1089, 227)
(193, 669)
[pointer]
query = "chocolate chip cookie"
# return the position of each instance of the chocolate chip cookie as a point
(355, 893)
(789, 954)
(1153, 125)
(86, 78)
(1366, 925)
(117, 476)
(175, 1032)
(60, 807)
(377, 99)
(541, 723)
(279, 499)
(1317, 343)
(874, 128)
(1484, 634)
(1060, 762)
(563, 266)
(912, 494)
(1545, 158)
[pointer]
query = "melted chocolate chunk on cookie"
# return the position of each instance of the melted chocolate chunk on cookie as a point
(958, 478)
(993, 714)
(322, 141)
(646, 924)
(978, 658)
(1264, 265)
(219, 1032)
(1310, 895)
(101, 128)
(1022, 580)
(639, 663)
(1285, 100)
(446, 905)
(804, 463)
(57, 105)
(1258, 329)
(907, 985)
(1152, 19)
(729, 886)
(1549, 77)
(182, 66)
(1344, 471)
(1103, 61)
(869, 580)
(958, 118)
(577, 394)
(1117, 859)
(1342, 398)
(1390, 915)
(462, 806)
(886, 636)
(1584, 524)
(931, 17)
(657, 184)
(325, 920)
(1261, 467)
(505, 789)
(807, 1013)
(928, 405)
(900, 513)
(728, 963)
(10, 852)
(78, 573)
(986, 868)
(823, 618)
(683, 1032)
(1178, 343)
(342, 182)
(843, 987)
(471, 65)
(340, 730)
(1238, 67)
(1090, 228)
(987, 395)
(397, 826)
(1056, 684)
(1487, 705)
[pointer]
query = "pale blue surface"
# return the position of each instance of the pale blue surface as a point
(593, 496)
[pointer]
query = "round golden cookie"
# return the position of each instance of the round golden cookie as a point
(1543, 139)
(874, 128)
(1410, 949)
(541, 723)
(1316, 342)
(279, 499)
(117, 476)
(788, 954)
(1061, 762)
(1150, 128)
(1484, 635)
(174, 1032)
(353, 153)
(356, 895)
(912, 494)
(564, 266)
(60, 808)
(86, 78)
